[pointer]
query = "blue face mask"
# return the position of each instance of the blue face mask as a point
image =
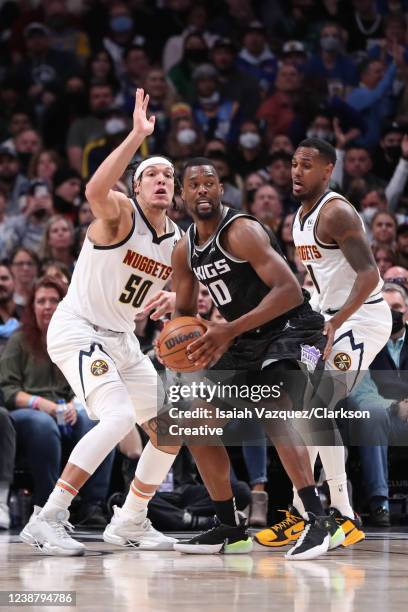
(8, 328)
(121, 23)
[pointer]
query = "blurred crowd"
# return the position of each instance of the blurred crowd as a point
(239, 81)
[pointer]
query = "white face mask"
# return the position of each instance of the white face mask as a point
(368, 214)
(249, 140)
(186, 136)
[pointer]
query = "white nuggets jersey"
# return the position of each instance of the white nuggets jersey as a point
(111, 284)
(332, 275)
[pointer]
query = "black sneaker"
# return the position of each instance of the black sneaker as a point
(220, 539)
(317, 536)
(92, 516)
(380, 517)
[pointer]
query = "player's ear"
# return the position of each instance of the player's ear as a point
(221, 189)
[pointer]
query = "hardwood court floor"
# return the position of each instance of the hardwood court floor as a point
(369, 577)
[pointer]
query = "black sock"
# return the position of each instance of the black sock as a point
(311, 500)
(225, 511)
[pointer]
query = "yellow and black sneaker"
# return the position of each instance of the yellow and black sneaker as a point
(352, 527)
(282, 533)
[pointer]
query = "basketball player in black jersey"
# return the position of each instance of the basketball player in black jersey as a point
(270, 325)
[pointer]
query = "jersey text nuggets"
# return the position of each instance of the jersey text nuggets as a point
(211, 270)
(147, 265)
(308, 253)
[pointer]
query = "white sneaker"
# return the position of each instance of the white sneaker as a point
(49, 534)
(4, 516)
(124, 531)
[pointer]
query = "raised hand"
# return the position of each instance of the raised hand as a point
(141, 124)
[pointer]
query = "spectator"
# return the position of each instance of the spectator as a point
(388, 152)
(294, 52)
(136, 66)
(330, 63)
(372, 98)
(116, 128)
(383, 391)
(7, 456)
(385, 258)
(121, 35)
(9, 311)
(397, 275)
(19, 120)
(217, 117)
(59, 241)
(43, 67)
(250, 155)
(321, 126)
(281, 143)
(32, 385)
(267, 206)
(252, 182)
(161, 100)
(395, 33)
(402, 245)
(364, 24)
(67, 190)
(185, 139)
(235, 84)
(279, 110)
(196, 21)
(27, 228)
(256, 58)
(195, 52)
(384, 229)
(101, 69)
(12, 182)
(92, 126)
(279, 170)
(57, 270)
(65, 34)
(357, 163)
(25, 266)
(232, 194)
(27, 143)
(43, 165)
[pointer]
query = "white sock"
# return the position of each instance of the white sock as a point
(4, 491)
(152, 469)
(136, 502)
(333, 461)
(60, 498)
(297, 502)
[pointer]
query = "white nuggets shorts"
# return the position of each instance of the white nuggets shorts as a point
(90, 357)
(358, 341)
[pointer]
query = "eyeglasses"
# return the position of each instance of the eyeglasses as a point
(20, 264)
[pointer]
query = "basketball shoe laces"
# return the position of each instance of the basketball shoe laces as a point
(61, 527)
(291, 519)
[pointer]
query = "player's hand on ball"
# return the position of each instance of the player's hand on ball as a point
(209, 348)
(162, 303)
(141, 124)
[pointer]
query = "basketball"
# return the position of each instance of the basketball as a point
(172, 343)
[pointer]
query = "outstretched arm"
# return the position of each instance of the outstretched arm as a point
(106, 203)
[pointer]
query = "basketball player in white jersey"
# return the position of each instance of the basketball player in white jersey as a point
(123, 265)
(330, 240)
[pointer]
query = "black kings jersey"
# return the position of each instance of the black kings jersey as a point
(234, 286)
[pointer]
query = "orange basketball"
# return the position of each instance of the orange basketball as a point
(172, 343)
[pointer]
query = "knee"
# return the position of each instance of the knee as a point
(37, 424)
